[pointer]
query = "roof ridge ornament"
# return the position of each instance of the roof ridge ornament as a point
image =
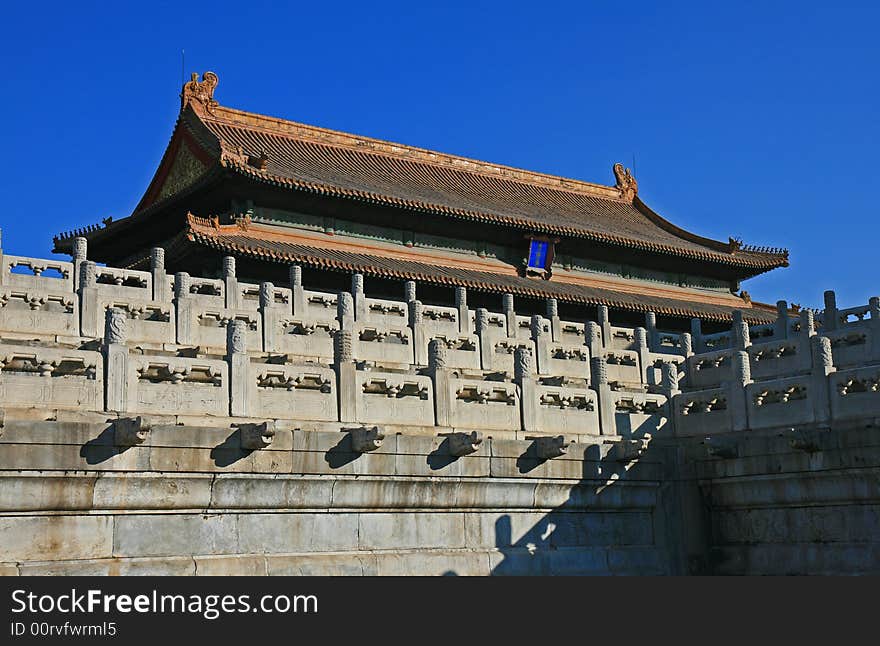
(626, 183)
(200, 91)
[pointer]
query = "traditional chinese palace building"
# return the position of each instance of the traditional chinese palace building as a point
(273, 192)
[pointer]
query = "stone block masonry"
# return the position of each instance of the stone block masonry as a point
(152, 423)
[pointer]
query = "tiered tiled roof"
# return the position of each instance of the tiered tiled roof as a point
(210, 140)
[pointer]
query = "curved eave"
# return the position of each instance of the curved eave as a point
(481, 281)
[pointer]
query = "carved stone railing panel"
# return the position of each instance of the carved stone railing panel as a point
(489, 405)
(654, 367)
(28, 313)
(703, 412)
(621, 338)
(249, 297)
(567, 410)
(305, 338)
(147, 321)
(572, 333)
(124, 283)
(855, 394)
(781, 402)
(39, 274)
(48, 378)
(385, 312)
(383, 345)
(780, 358)
(710, 369)
(177, 386)
(567, 360)
(392, 398)
(853, 345)
(638, 415)
(462, 350)
(209, 327)
(293, 392)
(622, 366)
(440, 321)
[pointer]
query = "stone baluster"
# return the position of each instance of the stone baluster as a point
(230, 284)
(819, 390)
(487, 344)
(409, 291)
(439, 373)
(874, 308)
(509, 314)
(607, 404)
(697, 335)
(183, 308)
(737, 391)
(346, 375)
(669, 379)
(739, 332)
(357, 294)
(605, 325)
(686, 344)
(641, 347)
(464, 319)
(593, 338)
(829, 318)
(651, 329)
(555, 321)
(345, 311)
(90, 319)
(808, 323)
(416, 324)
(298, 304)
(780, 327)
(269, 312)
(158, 275)
(541, 339)
(79, 256)
(239, 364)
(523, 375)
(116, 360)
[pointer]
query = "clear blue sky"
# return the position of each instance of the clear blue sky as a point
(757, 120)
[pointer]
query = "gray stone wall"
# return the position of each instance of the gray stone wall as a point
(175, 424)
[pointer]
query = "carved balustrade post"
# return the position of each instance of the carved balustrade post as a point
(358, 296)
(653, 337)
(697, 335)
(269, 313)
(523, 375)
(230, 284)
(239, 368)
(464, 319)
(780, 326)
(641, 347)
(437, 369)
(158, 275)
(509, 314)
(183, 309)
(607, 405)
(416, 324)
(116, 360)
(346, 376)
(487, 345)
(298, 304)
(555, 321)
(605, 325)
(90, 319)
(541, 339)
